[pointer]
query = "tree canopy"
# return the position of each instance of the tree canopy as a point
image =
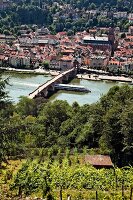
(56, 17)
(106, 126)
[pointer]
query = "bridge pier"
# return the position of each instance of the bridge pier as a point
(43, 93)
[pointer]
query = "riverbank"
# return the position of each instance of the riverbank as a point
(94, 77)
(30, 71)
(91, 77)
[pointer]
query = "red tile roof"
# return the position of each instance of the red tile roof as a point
(2, 57)
(99, 160)
(66, 58)
(115, 62)
(62, 33)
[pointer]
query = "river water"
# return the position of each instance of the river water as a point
(23, 84)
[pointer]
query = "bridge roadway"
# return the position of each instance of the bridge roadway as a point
(42, 90)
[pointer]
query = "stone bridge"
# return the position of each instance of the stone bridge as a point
(45, 89)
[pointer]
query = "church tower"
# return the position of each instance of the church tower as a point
(111, 38)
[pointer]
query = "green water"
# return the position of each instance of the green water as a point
(23, 84)
(98, 88)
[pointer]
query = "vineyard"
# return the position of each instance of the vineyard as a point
(53, 180)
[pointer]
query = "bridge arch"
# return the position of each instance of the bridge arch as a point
(50, 87)
(65, 78)
(59, 81)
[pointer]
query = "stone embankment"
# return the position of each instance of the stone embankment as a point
(94, 77)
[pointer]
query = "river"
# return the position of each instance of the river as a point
(23, 84)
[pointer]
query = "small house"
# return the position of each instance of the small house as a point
(99, 161)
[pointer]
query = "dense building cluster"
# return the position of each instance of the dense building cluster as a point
(110, 51)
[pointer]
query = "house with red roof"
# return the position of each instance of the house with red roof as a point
(66, 62)
(61, 35)
(114, 64)
(99, 161)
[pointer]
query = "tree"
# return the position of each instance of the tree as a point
(68, 25)
(53, 114)
(127, 130)
(92, 6)
(6, 32)
(6, 110)
(70, 33)
(3, 93)
(116, 126)
(45, 64)
(26, 107)
(75, 107)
